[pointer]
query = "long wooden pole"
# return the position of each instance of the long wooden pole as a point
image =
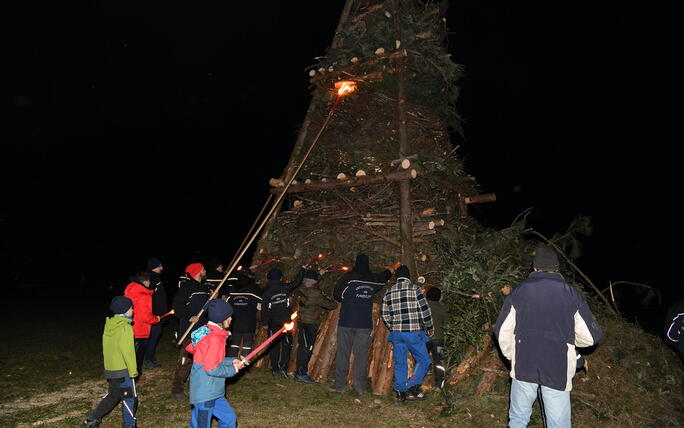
(275, 205)
(251, 229)
(405, 214)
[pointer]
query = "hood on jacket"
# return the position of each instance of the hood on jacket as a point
(361, 265)
(112, 324)
(136, 287)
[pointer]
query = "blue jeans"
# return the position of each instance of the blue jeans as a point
(555, 405)
(403, 343)
(218, 408)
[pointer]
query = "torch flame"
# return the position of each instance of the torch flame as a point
(320, 256)
(345, 87)
(239, 268)
(289, 326)
(345, 268)
(293, 316)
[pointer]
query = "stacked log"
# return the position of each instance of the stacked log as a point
(323, 358)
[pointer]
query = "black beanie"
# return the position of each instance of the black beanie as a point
(120, 305)
(403, 272)
(153, 262)
(361, 264)
(545, 259)
(218, 310)
(275, 274)
(433, 294)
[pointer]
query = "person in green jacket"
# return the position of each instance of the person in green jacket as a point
(312, 302)
(120, 367)
(440, 316)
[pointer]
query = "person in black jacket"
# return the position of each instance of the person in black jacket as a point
(245, 298)
(540, 324)
(159, 307)
(215, 274)
(674, 327)
(355, 290)
(276, 310)
(187, 303)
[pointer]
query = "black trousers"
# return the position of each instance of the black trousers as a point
(140, 348)
(436, 347)
(120, 389)
(240, 342)
(307, 337)
(279, 353)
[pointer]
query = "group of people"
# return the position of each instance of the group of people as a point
(540, 325)
(217, 333)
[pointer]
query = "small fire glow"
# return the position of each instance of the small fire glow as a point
(345, 87)
(239, 268)
(293, 316)
(345, 268)
(320, 256)
(289, 326)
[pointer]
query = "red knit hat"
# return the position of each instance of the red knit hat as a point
(194, 269)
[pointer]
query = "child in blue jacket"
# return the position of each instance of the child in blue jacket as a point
(210, 368)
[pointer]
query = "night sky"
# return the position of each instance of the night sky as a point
(152, 128)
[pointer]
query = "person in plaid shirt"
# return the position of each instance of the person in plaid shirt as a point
(407, 315)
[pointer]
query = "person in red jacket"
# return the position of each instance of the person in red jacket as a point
(143, 319)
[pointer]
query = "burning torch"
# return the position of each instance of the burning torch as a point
(320, 256)
(288, 326)
(171, 312)
(337, 269)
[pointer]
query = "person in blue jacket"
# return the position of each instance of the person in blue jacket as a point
(539, 326)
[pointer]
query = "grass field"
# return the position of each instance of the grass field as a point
(52, 377)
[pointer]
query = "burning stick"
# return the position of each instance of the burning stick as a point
(318, 257)
(263, 262)
(171, 312)
(337, 269)
(288, 326)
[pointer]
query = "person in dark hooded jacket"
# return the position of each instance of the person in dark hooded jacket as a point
(276, 310)
(245, 297)
(215, 274)
(355, 290)
(160, 306)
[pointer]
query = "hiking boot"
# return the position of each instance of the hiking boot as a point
(179, 396)
(91, 423)
(337, 390)
(303, 378)
(401, 396)
(360, 391)
(415, 393)
(149, 364)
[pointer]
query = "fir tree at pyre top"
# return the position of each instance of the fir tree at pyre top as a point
(329, 209)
